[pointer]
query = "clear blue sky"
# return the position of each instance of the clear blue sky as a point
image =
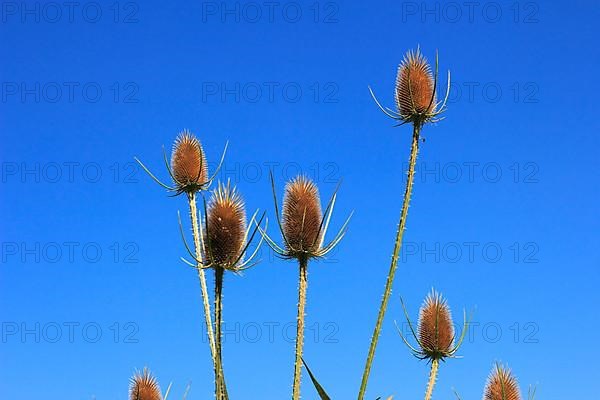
(504, 218)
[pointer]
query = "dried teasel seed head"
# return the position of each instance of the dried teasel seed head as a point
(144, 386)
(302, 217)
(501, 385)
(415, 88)
(188, 163)
(435, 327)
(226, 224)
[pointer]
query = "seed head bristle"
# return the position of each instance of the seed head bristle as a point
(501, 385)
(302, 216)
(188, 162)
(414, 86)
(226, 226)
(143, 386)
(435, 327)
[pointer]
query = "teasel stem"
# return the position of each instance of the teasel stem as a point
(204, 289)
(302, 286)
(220, 393)
(432, 378)
(397, 246)
(201, 275)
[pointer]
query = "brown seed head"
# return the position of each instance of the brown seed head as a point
(226, 227)
(414, 87)
(501, 385)
(436, 330)
(301, 217)
(188, 162)
(144, 386)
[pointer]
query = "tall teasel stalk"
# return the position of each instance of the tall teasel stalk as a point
(415, 97)
(226, 241)
(434, 335)
(188, 170)
(303, 226)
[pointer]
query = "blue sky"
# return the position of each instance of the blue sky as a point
(503, 220)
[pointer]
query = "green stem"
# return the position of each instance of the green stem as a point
(219, 376)
(203, 286)
(432, 377)
(302, 285)
(397, 246)
(201, 275)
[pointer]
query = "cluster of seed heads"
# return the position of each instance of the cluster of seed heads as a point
(303, 224)
(143, 386)
(188, 168)
(414, 86)
(188, 163)
(435, 327)
(415, 92)
(225, 227)
(225, 235)
(435, 330)
(301, 217)
(501, 385)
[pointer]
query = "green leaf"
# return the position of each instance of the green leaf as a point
(319, 388)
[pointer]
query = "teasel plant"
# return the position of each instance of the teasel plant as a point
(188, 171)
(303, 226)
(226, 241)
(435, 335)
(503, 385)
(416, 103)
(144, 386)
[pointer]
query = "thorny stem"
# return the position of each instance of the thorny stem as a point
(432, 378)
(302, 285)
(219, 376)
(397, 246)
(201, 276)
(203, 286)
